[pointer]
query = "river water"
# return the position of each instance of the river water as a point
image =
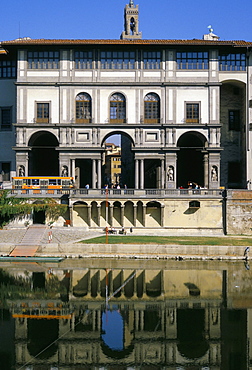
(125, 314)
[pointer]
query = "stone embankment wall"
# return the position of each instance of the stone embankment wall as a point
(239, 212)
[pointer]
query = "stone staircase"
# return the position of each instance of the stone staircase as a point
(30, 241)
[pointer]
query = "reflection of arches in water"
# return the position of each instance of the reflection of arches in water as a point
(191, 328)
(113, 335)
(7, 343)
(41, 334)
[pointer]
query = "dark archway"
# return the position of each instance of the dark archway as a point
(83, 172)
(152, 174)
(39, 216)
(43, 157)
(118, 167)
(233, 134)
(190, 165)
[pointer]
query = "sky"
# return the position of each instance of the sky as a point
(97, 19)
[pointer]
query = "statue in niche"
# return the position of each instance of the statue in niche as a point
(170, 173)
(214, 173)
(64, 171)
(21, 171)
(214, 316)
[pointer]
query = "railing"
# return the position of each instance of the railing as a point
(118, 193)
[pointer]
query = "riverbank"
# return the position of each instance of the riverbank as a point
(66, 242)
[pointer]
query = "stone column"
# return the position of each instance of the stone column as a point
(73, 168)
(134, 214)
(136, 320)
(111, 207)
(162, 174)
(122, 215)
(144, 214)
(93, 320)
(94, 173)
(98, 277)
(98, 215)
(99, 174)
(142, 174)
(71, 214)
(89, 215)
(136, 174)
(206, 171)
(142, 320)
(162, 215)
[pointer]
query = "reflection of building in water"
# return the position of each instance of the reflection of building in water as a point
(164, 317)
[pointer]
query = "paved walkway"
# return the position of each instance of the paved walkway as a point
(59, 235)
(64, 242)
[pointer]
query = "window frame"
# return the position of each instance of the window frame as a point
(197, 118)
(86, 105)
(154, 111)
(235, 62)
(191, 60)
(234, 124)
(120, 109)
(42, 119)
(9, 126)
(111, 59)
(40, 60)
(152, 59)
(83, 59)
(8, 69)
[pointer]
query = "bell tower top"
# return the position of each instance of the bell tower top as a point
(131, 22)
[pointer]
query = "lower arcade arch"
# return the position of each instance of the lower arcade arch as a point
(123, 216)
(190, 159)
(43, 156)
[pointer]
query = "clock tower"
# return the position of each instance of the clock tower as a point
(131, 22)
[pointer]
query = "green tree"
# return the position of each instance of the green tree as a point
(12, 207)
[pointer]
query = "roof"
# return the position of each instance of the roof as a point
(196, 42)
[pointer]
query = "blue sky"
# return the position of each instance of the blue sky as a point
(95, 19)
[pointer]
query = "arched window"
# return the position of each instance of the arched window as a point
(83, 108)
(151, 108)
(117, 108)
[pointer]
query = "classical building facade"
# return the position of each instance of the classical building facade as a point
(182, 108)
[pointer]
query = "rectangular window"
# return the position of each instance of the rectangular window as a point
(42, 112)
(43, 59)
(192, 60)
(83, 59)
(232, 62)
(234, 172)
(151, 59)
(5, 118)
(8, 69)
(118, 59)
(234, 121)
(192, 112)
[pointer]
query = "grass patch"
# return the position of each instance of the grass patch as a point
(179, 240)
